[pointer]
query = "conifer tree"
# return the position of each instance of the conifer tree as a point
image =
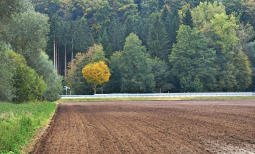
(157, 38)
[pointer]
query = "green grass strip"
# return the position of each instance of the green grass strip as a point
(19, 122)
(157, 98)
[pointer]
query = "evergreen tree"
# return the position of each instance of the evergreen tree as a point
(27, 33)
(130, 18)
(185, 15)
(157, 39)
(106, 44)
(116, 35)
(171, 22)
(81, 35)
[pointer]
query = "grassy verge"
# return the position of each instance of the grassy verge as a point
(19, 122)
(157, 98)
(114, 99)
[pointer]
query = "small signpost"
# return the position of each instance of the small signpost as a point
(67, 88)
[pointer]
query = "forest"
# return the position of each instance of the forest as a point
(149, 45)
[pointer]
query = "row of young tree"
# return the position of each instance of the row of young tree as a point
(179, 46)
(26, 73)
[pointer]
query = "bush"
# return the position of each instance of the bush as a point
(44, 67)
(54, 88)
(27, 83)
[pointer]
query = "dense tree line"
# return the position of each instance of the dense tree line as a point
(154, 45)
(26, 74)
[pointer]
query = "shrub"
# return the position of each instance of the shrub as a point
(27, 83)
(44, 67)
(54, 87)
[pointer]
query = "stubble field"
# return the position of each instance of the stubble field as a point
(151, 127)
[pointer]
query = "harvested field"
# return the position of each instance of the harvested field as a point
(151, 127)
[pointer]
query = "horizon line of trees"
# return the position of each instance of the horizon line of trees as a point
(191, 45)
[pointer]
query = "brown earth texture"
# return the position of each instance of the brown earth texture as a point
(178, 127)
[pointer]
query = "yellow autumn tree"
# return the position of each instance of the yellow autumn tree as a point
(96, 73)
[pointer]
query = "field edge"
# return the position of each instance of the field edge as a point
(204, 98)
(39, 134)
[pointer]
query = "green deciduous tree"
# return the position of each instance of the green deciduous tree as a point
(27, 33)
(227, 37)
(231, 48)
(243, 71)
(225, 28)
(205, 12)
(135, 69)
(9, 8)
(27, 83)
(193, 61)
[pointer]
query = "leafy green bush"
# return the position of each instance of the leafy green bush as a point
(27, 83)
(44, 67)
(54, 87)
(18, 123)
(18, 82)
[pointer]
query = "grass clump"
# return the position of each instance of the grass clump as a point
(19, 122)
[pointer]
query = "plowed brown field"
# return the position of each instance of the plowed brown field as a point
(151, 127)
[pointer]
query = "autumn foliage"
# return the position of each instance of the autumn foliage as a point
(96, 73)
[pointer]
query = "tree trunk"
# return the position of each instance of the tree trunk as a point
(56, 58)
(58, 62)
(95, 89)
(65, 61)
(54, 50)
(72, 50)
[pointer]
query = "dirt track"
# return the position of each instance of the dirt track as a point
(151, 127)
